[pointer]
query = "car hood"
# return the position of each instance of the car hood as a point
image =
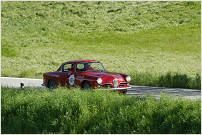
(103, 74)
(106, 76)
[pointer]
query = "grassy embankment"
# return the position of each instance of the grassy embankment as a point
(75, 111)
(156, 43)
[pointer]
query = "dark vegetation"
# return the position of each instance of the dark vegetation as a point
(172, 80)
(76, 111)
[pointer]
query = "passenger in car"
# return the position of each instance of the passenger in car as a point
(71, 69)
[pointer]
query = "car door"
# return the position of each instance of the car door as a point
(66, 75)
(78, 74)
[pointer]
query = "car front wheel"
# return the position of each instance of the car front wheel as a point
(125, 91)
(86, 86)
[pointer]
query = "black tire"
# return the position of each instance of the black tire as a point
(52, 84)
(125, 92)
(86, 86)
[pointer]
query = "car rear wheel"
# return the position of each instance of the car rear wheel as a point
(86, 86)
(52, 84)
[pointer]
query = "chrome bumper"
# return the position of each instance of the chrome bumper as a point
(123, 88)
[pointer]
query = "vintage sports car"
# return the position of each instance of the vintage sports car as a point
(86, 74)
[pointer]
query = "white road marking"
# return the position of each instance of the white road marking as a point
(15, 82)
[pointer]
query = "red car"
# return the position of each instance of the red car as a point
(86, 74)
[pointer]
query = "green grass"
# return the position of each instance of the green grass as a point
(147, 40)
(75, 111)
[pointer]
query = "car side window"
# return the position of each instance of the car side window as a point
(80, 66)
(68, 68)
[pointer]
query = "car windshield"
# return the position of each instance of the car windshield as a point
(94, 66)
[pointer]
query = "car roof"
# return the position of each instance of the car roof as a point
(80, 61)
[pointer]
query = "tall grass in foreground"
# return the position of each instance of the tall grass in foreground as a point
(74, 111)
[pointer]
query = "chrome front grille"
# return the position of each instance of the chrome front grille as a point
(123, 83)
(115, 83)
(107, 85)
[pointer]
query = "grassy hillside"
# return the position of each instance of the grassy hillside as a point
(157, 43)
(74, 111)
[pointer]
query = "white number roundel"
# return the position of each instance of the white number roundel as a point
(71, 80)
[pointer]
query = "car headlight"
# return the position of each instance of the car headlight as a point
(128, 78)
(99, 80)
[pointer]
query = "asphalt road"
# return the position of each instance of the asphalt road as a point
(141, 91)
